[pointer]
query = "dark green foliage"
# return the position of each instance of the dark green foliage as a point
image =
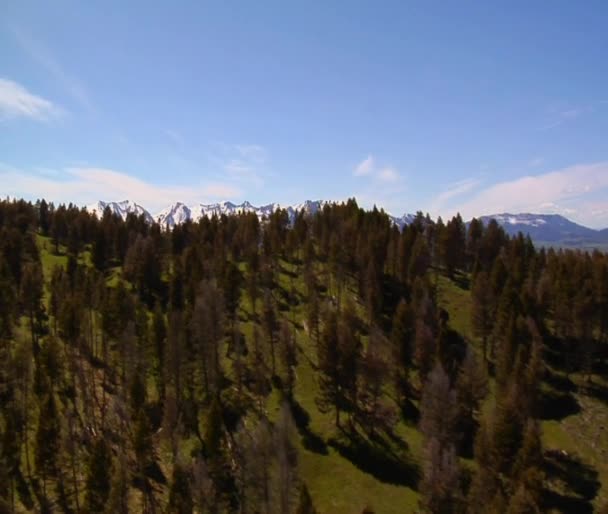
(97, 487)
(180, 494)
(47, 437)
(152, 383)
(483, 310)
(231, 284)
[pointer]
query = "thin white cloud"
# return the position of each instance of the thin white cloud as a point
(388, 174)
(242, 171)
(85, 185)
(40, 54)
(243, 163)
(578, 191)
(456, 189)
(365, 167)
(368, 168)
(17, 102)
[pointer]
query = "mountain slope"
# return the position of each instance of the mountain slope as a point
(121, 209)
(179, 212)
(549, 228)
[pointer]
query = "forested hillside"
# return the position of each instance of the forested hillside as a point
(332, 365)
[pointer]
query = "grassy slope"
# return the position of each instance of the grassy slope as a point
(337, 485)
(583, 435)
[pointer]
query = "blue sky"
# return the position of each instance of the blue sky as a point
(477, 107)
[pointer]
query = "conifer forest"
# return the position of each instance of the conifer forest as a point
(329, 364)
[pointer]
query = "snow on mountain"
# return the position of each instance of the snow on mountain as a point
(174, 215)
(179, 212)
(309, 207)
(549, 228)
(533, 220)
(121, 209)
(402, 221)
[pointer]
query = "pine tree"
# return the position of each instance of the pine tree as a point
(180, 493)
(328, 358)
(231, 284)
(471, 389)
(289, 357)
(47, 440)
(287, 459)
(270, 325)
(98, 477)
(439, 488)
(439, 409)
(118, 498)
(402, 339)
(425, 348)
(482, 312)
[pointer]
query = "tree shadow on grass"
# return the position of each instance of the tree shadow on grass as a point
(377, 459)
(311, 441)
(410, 412)
(557, 406)
(597, 391)
(462, 280)
(559, 382)
(580, 480)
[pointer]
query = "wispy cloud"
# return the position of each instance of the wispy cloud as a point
(365, 167)
(579, 191)
(384, 186)
(17, 102)
(243, 171)
(388, 174)
(368, 168)
(246, 164)
(38, 52)
(86, 185)
(454, 190)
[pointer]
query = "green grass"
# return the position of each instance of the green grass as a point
(583, 435)
(457, 301)
(337, 485)
(48, 257)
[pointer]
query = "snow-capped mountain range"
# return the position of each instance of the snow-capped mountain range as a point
(545, 228)
(121, 209)
(549, 228)
(179, 212)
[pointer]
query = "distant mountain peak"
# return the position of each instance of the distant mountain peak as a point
(122, 209)
(178, 212)
(553, 229)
